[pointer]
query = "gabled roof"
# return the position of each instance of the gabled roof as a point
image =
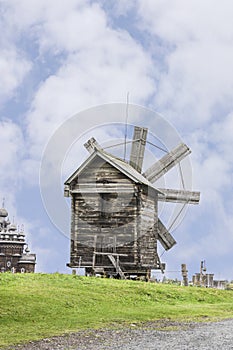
(118, 163)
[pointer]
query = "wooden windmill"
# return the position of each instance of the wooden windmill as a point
(114, 210)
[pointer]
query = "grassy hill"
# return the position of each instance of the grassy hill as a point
(34, 306)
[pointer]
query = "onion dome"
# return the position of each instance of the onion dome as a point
(21, 233)
(3, 213)
(12, 227)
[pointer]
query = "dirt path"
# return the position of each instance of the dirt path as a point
(151, 336)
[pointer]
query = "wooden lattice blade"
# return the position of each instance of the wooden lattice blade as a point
(165, 238)
(167, 162)
(179, 196)
(138, 148)
(92, 145)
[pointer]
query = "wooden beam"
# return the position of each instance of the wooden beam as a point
(165, 238)
(113, 254)
(179, 196)
(66, 191)
(167, 162)
(138, 148)
(104, 188)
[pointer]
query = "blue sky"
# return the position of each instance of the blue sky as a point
(59, 58)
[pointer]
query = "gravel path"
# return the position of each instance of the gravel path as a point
(150, 336)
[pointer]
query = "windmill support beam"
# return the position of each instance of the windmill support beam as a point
(167, 162)
(138, 148)
(164, 236)
(179, 196)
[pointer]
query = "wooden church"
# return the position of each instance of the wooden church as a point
(15, 255)
(115, 227)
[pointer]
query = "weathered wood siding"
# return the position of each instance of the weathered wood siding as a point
(114, 222)
(148, 230)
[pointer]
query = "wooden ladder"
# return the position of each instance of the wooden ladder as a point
(114, 261)
(116, 265)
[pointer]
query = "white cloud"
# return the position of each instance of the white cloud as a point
(222, 132)
(14, 67)
(24, 14)
(195, 81)
(80, 85)
(181, 21)
(72, 28)
(100, 65)
(12, 150)
(95, 64)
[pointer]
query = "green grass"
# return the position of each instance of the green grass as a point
(34, 306)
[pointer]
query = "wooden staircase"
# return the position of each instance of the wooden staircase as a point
(114, 258)
(116, 265)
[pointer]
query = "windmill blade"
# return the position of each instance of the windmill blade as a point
(92, 145)
(165, 238)
(180, 196)
(167, 162)
(138, 148)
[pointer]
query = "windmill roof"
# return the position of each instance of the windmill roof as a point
(118, 163)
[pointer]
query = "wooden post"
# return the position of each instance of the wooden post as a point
(94, 250)
(203, 274)
(184, 272)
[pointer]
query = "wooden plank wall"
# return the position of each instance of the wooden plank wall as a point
(122, 223)
(105, 220)
(148, 232)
